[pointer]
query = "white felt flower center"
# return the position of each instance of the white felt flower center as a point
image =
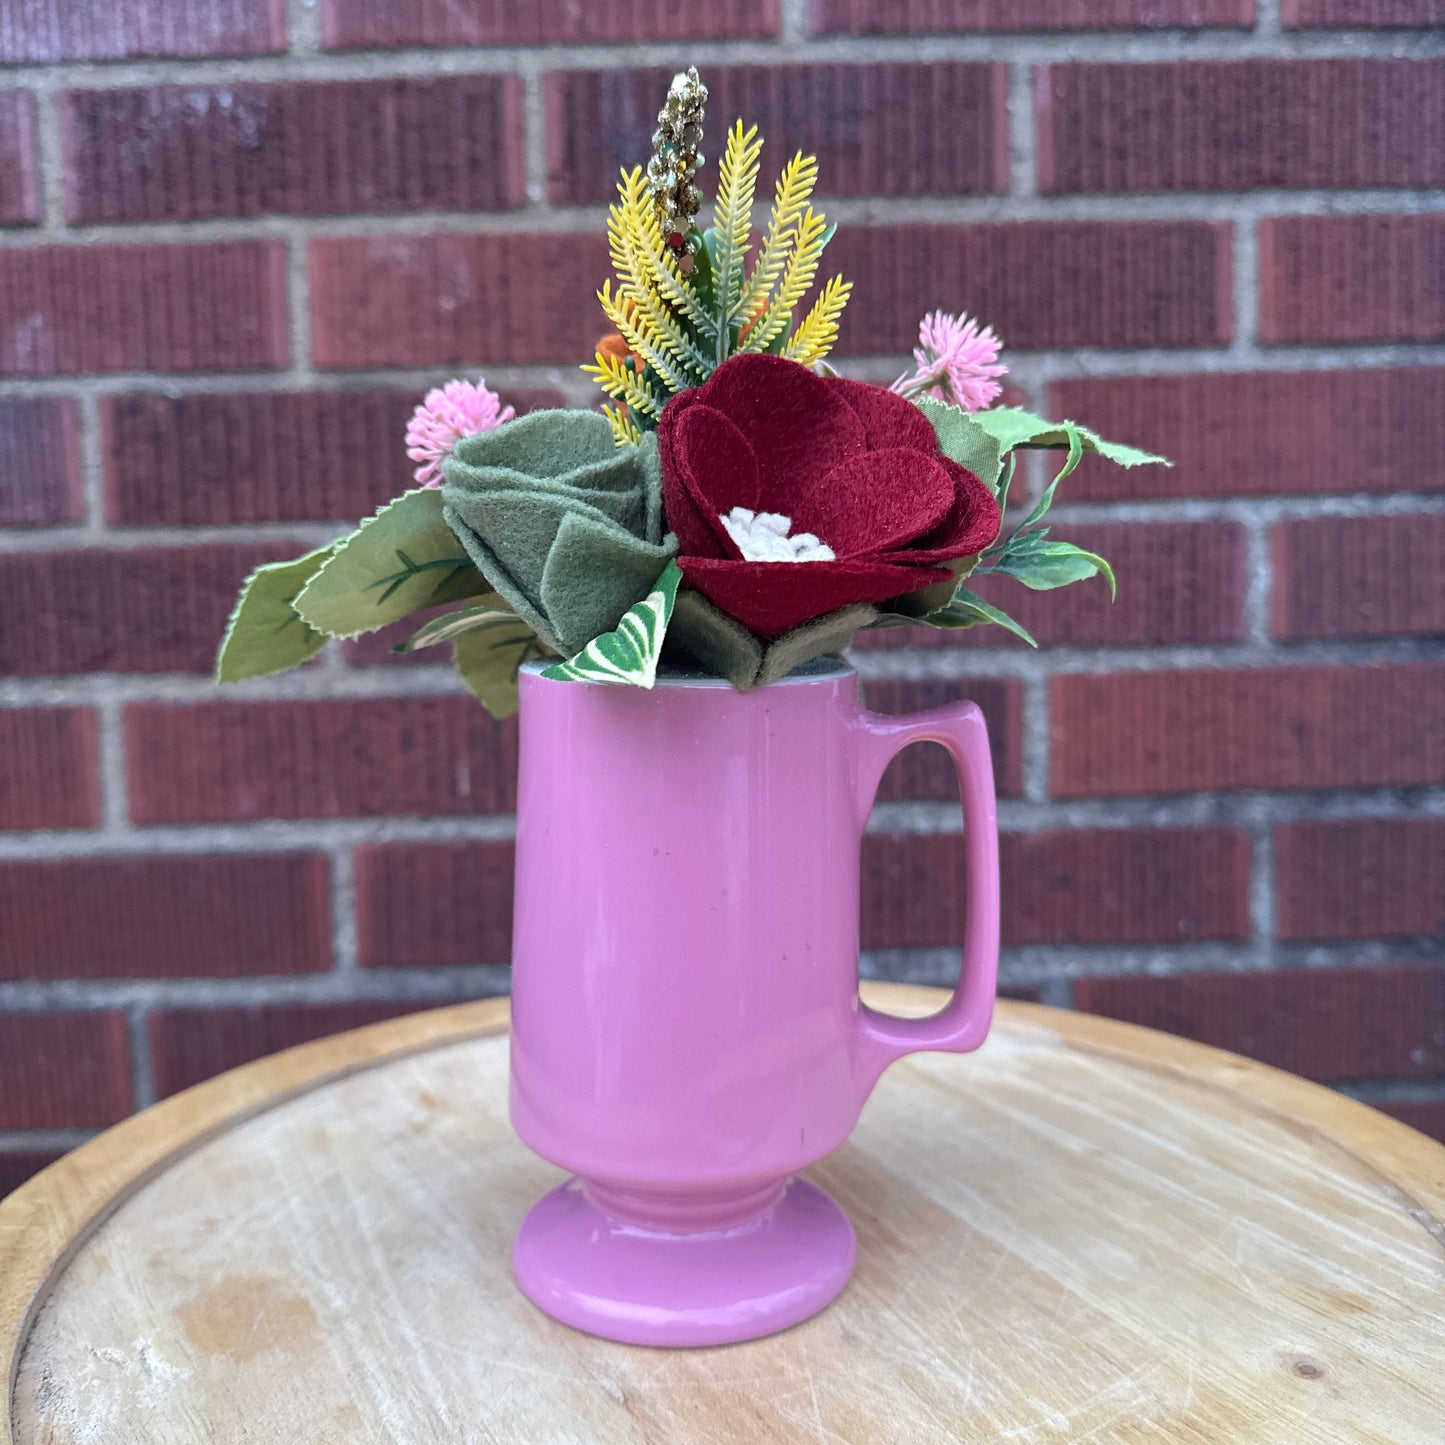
(763, 537)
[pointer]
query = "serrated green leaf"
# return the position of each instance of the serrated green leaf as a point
(1012, 427)
(968, 609)
(450, 625)
(1048, 565)
(961, 439)
(629, 654)
(488, 660)
(265, 633)
(397, 562)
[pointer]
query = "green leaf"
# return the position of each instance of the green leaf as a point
(488, 660)
(397, 562)
(968, 609)
(1047, 565)
(1012, 427)
(630, 653)
(486, 613)
(963, 440)
(265, 632)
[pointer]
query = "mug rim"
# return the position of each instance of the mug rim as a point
(842, 668)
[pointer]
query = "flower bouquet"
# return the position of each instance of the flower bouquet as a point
(662, 586)
(607, 542)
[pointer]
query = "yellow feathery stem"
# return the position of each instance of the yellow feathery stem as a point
(636, 247)
(794, 187)
(812, 341)
(622, 383)
(638, 329)
(802, 266)
(737, 181)
(659, 264)
(624, 429)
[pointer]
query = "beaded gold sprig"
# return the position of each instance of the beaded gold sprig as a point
(675, 157)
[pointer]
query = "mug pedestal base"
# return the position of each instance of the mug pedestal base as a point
(645, 1285)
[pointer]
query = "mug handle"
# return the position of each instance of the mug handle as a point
(963, 1023)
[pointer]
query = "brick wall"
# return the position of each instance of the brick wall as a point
(240, 237)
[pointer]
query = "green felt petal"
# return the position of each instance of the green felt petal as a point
(542, 443)
(504, 580)
(593, 574)
(963, 440)
(702, 634)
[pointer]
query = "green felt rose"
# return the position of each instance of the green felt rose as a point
(565, 524)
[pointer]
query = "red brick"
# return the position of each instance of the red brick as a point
(874, 128)
(363, 757)
(1327, 1024)
(1298, 727)
(1041, 284)
(76, 309)
(1351, 278)
(1359, 576)
(49, 773)
(213, 459)
(1360, 878)
(925, 772)
(308, 148)
(43, 30)
(1178, 582)
(133, 609)
(19, 186)
(64, 1070)
(1257, 433)
(1082, 886)
(40, 482)
(189, 1045)
(423, 300)
(165, 916)
(943, 17)
(436, 903)
(18, 1165)
(1364, 14)
(1240, 125)
(368, 24)
(1426, 1115)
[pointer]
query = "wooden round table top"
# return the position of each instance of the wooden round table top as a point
(1083, 1232)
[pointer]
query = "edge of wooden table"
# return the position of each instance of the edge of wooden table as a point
(48, 1218)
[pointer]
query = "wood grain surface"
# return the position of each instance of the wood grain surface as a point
(1084, 1232)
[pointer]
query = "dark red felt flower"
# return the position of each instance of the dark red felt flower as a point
(854, 464)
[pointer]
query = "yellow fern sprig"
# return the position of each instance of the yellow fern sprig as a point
(790, 198)
(622, 383)
(812, 341)
(658, 263)
(624, 429)
(637, 281)
(737, 181)
(798, 273)
(637, 328)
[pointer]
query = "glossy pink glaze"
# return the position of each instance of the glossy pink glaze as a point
(686, 1027)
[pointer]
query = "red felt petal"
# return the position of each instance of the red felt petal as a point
(972, 524)
(683, 515)
(888, 419)
(798, 427)
(713, 469)
(876, 502)
(770, 598)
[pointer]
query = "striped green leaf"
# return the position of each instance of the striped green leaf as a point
(630, 653)
(487, 613)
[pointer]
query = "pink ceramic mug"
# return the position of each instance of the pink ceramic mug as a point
(686, 1027)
